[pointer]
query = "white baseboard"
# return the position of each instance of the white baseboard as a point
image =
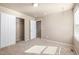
(67, 44)
(27, 40)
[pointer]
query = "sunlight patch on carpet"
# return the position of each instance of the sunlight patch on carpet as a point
(50, 50)
(35, 49)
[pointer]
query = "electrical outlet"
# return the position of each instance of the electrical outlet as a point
(46, 36)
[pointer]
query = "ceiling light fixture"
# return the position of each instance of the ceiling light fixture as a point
(35, 4)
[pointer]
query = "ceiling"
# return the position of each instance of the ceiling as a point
(43, 9)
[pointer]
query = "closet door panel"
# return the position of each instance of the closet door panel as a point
(8, 30)
(4, 30)
(12, 29)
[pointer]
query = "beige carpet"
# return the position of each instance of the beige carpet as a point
(37, 47)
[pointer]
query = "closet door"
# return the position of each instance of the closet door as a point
(8, 30)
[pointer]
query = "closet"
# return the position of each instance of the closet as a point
(19, 29)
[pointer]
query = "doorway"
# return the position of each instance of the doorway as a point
(38, 27)
(19, 29)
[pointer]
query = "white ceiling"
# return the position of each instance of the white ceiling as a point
(42, 9)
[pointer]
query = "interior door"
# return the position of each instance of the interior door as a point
(32, 29)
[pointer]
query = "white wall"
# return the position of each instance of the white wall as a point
(58, 27)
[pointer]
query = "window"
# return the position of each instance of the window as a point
(76, 24)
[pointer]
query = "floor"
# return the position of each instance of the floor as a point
(38, 47)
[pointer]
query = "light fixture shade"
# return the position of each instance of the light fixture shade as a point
(35, 4)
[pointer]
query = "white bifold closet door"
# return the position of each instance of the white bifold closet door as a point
(8, 30)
